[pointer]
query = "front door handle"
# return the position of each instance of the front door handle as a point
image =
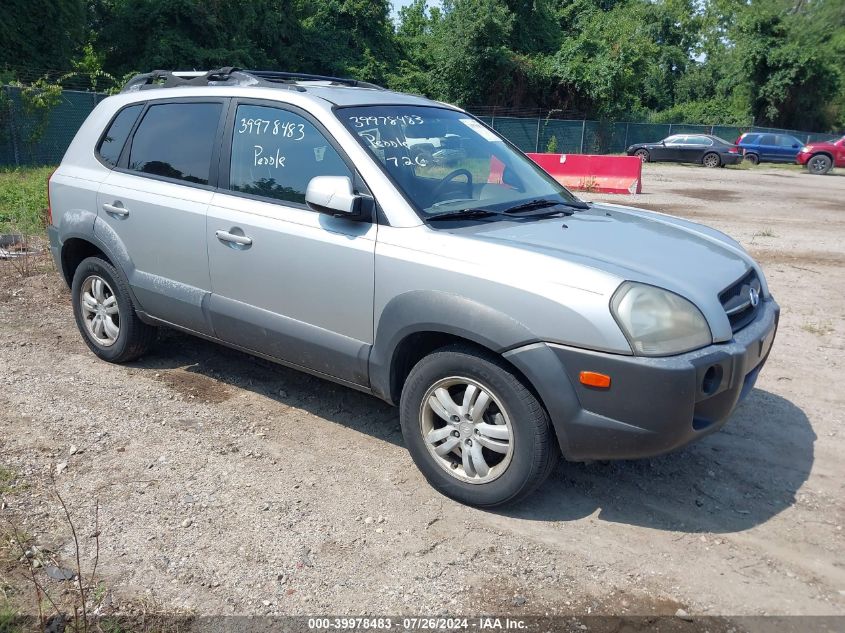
(225, 236)
(115, 209)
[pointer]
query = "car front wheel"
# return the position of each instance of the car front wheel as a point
(643, 155)
(476, 432)
(819, 164)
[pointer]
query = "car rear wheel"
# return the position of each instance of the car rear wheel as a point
(643, 155)
(752, 159)
(711, 159)
(476, 432)
(819, 164)
(105, 315)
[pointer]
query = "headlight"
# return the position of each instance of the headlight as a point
(658, 322)
(804, 150)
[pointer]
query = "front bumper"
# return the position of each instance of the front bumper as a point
(653, 405)
(803, 157)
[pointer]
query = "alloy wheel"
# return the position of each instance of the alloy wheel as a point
(711, 160)
(100, 310)
(819, 164)
(466, 430)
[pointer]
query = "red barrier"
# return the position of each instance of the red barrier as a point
(588, 172)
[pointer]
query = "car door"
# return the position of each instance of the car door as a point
(670, 149)
(787, 148)
(695, 147)
(839, 159)
(288, 282)
(153, 205)
(769, 150)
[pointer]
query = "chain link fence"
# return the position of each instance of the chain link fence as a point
(41, 138)
(610, 137)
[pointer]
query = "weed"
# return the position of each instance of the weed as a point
(819, 329)
(764, 233)
(23, 199)
(9, 483)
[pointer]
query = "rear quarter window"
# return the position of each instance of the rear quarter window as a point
(112, 142)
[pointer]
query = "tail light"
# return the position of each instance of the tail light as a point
(733, 150)
(49, 205)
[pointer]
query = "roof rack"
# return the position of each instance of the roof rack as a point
(275, 75)
(230, 76)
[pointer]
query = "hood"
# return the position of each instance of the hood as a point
(687, 258)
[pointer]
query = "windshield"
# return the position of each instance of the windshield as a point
(445, 161)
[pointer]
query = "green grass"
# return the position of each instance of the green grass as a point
(10, 622)
(6, 478)
(23, 199)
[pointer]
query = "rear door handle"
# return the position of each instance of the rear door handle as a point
(114, 209)
(225, 236)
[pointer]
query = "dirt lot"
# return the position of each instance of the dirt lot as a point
(228, 485)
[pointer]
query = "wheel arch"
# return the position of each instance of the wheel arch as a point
(74, 251)
(822, 152)
(415, 324)
(76, 246)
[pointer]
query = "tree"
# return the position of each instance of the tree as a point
(469, 52)
(39, 36)
(202, 34)
(349, 37)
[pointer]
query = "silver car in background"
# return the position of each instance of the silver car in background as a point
(298, 218)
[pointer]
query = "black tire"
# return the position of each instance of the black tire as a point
(819, 164)
(708, 160)
(752, 159)
(134, 337)
(643, 155)
(535, 450)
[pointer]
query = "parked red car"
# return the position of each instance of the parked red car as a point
(820, 157)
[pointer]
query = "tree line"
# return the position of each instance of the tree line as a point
(777, 63)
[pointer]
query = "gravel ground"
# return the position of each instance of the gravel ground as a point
(229, 485)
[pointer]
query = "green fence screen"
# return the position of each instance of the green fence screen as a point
(41, 138)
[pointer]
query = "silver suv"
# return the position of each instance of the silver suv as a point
(294, 217)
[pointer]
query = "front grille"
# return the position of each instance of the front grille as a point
(737, 300)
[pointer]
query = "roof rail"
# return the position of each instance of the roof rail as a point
(276, 75)
(230, 76)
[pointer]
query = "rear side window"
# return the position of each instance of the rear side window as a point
(276, 153)
(112, 143)
(699, 140)
(768, 139)
(176, 140)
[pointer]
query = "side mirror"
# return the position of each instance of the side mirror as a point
(333, 195)
(663, 142)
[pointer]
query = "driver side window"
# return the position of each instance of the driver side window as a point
(276, 153)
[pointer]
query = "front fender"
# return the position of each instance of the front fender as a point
(442, 312)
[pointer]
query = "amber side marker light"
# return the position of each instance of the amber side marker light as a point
(595, 379)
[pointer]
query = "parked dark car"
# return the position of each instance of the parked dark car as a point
(819, 157)
(760, 147)
(707, 150)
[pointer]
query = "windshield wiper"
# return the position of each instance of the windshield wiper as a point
(542, 203)
(463, 214)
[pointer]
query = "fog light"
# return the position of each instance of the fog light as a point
(595, 379)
